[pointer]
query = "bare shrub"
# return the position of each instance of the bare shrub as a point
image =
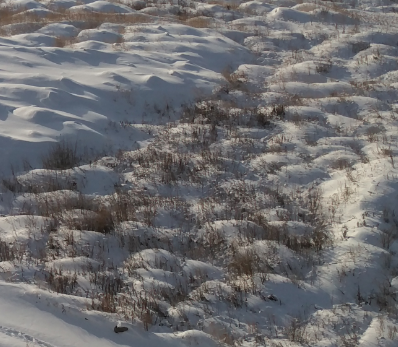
(341, 164)
(387, 237)
(313, 202)
(235, 80)
(39, 183)
(386, 297)
(247, 263)
(62, 41)
(7, 252)
(295, 331)
(263, 118)
(12, 184)
(221, 334)
(274, 167)
(392, 332)
(79, 212)
(324, 67)
(209, 112)
(357, 149)
(124, 205)
(61, 283)
(62, 155)
(7, 14)
(372, 133)
(311, 140)
(106, 303)
(297, 119)
(54, 205)
(108, 285)
(278, 111)
(100, 221)
(147, 319)
(387, 152)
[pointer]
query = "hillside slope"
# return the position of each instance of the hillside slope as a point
(203, 173)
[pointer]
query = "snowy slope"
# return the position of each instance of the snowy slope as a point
(203, 173)
(31, 317)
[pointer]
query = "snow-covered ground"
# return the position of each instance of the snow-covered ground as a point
(204, 173)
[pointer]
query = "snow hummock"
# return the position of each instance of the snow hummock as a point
(203, 173)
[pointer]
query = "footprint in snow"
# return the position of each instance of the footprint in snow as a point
(25, 337)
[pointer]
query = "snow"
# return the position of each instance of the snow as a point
(47, 321)
(203, 173)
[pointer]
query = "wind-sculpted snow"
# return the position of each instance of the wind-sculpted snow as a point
(215, 173)
(48, 92)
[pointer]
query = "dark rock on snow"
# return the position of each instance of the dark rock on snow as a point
(120, 329)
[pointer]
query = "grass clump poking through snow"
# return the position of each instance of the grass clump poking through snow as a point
(62, 155)
(7, 252)
(250, 203)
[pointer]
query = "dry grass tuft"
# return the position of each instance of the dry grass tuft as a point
(62, 41)
(90, 20)
(199, 22)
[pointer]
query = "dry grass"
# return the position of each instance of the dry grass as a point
(62, 41)
(236, 80)
(307, 7)
(341, 164)
(61, 156)
(199, 22)
(225, 4)
(90, 20)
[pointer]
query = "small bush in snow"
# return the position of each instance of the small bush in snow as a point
(62, 155)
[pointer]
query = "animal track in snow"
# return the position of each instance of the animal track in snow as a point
(24, 337)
